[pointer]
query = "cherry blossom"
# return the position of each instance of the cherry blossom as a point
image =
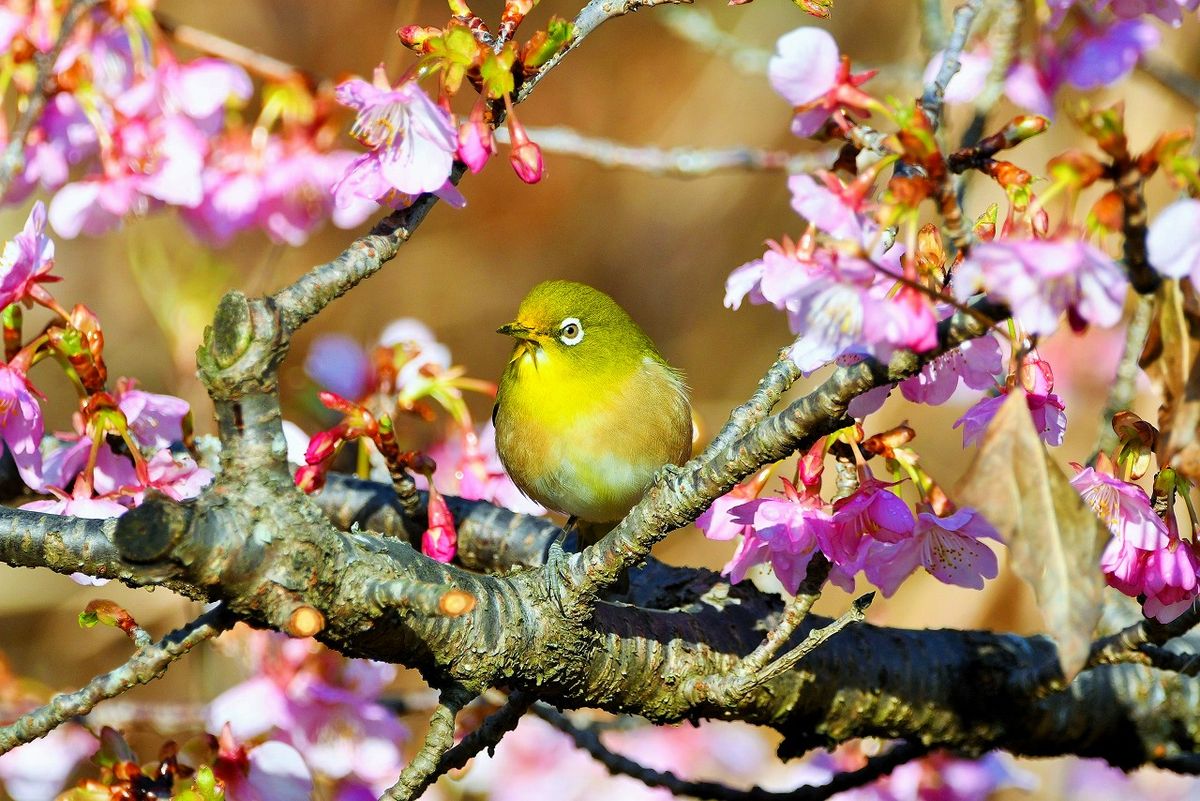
(21, 426)
(1039, 280)
(1172, 244)
(974, 364)
(27, 259)
(411, 138)
(871, 513)
(809, 73)
(783, 532)
(948, 547)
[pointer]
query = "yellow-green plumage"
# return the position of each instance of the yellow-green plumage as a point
(583, 427)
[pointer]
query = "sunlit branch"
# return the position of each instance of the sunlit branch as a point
(146, 665)
(678, 162)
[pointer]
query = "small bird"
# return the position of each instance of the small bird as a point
(587, 410)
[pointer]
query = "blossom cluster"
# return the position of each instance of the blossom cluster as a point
(871, 530)
(124, 441)
(129, 129)
(407, 374)
(865, 279)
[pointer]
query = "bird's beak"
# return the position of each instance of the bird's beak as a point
(516, 330)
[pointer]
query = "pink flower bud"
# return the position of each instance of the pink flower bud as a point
(440, 541)
(310, 478)
(324, 445)
(475, 142)
(526, 156)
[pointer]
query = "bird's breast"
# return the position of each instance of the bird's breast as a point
(589, 448)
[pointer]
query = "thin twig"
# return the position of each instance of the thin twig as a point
(1124, 387)
(590, 17)
(426, 763)
(14, 155)
(681, 162)
(588, 740)
(745, 677)
(146, 665)
(816, 638)
(697, 26)
(1115, 647)
(489, 733)
(1130, 184)
(1181, 83)
(935, 92)
(210, 44)
(777, 380)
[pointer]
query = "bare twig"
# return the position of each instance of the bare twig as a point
(777, 380)
(426, 764)
(588, 739)
(816, 638)
(1117, 647)
(1130, 184)
(1181, 83)
(592, 16)
(679, 162)
(210, 44)
(146, 665)
(745, 676)
(697, 26)
(14, 154)
(489, 733)
(935, 92)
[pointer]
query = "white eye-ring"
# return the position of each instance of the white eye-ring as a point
(570, 331)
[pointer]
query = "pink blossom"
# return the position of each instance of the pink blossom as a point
(1124, 507)
(976, 364)
(901, 321)
(808, 72)
(949, 549)
(179, 478)
(871, 512)
(833, 211)
(339, 364)
(26, 259)
(524, 154)
(1173, 246)
(440, 540)
(784, 532)
(718, 521)
(37, 770)
(1103, 55)
(1170, 580)
(155, 421)
(79, 504)
(1047, 410)
(411, 138)
(270, 771)
(318, 703)
(1124, 566)
(475, 141)
(1023, 84)
(1039, 280)
(150, 161)
(21, 426)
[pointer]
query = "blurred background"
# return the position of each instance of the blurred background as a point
(662, 246)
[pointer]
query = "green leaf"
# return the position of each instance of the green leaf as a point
(1053, 537)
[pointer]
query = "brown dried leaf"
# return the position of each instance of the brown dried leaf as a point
(1179, 374)
(1054, 538)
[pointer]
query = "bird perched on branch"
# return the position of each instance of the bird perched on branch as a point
(587, 410)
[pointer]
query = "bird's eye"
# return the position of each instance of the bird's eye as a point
(570, 332)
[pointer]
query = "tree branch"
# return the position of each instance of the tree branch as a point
(146, 665)
(588, 739)
(426, 764)
(678, 162)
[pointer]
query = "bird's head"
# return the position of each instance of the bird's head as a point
(572, 326)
